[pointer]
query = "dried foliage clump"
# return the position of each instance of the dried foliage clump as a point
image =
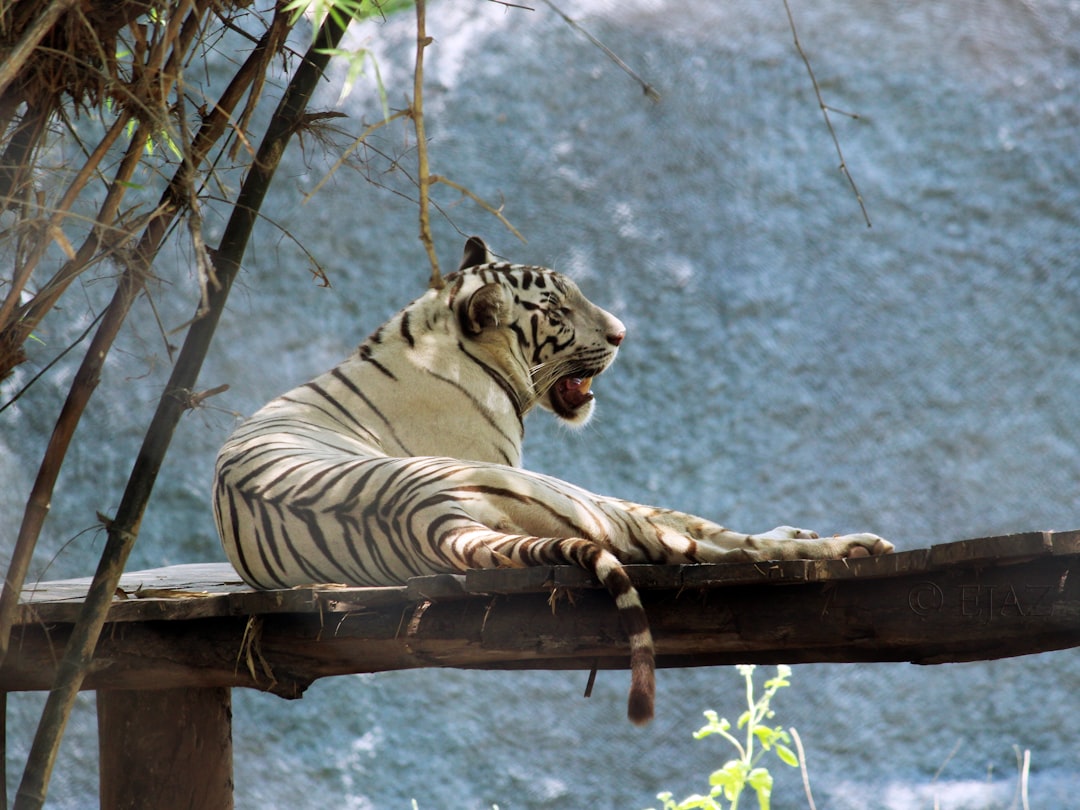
(109, 77)
(75, 58)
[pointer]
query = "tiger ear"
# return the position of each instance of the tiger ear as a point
(486, 308)
(476, 252)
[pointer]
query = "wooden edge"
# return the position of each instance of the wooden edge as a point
(214, 589)
(181, 605)
(999, 550)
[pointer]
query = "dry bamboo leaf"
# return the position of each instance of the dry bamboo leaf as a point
(57, 236)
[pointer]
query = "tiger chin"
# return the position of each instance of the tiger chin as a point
(404, 460)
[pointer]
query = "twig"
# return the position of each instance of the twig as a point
(512, 5)
(495, 212)
(941, 770)
(423, 175)
(650, 91)
(45, 370)
(352, 148)
(197, 398)
(1023, 762)
(825, 108)
(802, 767)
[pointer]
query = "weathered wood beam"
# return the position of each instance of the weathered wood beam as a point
(959, 602)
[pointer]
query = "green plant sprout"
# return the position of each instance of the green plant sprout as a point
(729, 782)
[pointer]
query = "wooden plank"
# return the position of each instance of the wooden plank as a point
(988, 608)
(214, 589)
(194, 591)
(167, 749)
(213, 578)
(1002, 550)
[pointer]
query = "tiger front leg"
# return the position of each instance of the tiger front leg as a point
(650, 534)
(790, 543)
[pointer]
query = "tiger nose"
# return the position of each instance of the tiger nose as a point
(616, 332)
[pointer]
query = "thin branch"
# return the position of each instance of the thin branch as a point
(495, 212)
(650, 91)
(512, 5)
(802, 768)
(45, 370)
(423, 176)
(825, 108)
(352, 148)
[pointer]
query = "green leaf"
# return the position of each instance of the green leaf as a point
(761, 781)
(778, 682)
(732, 778)
(766, 736)
(342, 11)
(787, 755)
(716, 725)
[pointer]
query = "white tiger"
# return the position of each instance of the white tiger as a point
(404, 460)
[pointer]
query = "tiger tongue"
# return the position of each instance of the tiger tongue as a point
(574, 391)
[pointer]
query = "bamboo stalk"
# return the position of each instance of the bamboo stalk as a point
(123, 530)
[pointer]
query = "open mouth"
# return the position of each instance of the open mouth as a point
(569, 394)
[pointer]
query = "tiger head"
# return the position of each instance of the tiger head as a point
(549, 338)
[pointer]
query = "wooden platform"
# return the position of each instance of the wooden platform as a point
(200, 626)
(178, 639)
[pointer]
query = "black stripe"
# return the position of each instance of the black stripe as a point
(236, 542)
(366, 356)
(501, 381)
(340, 376)
(264, 542)
(405, 331)
(484, 412)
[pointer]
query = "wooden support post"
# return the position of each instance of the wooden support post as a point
(165, 749)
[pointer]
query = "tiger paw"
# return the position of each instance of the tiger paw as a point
(863, 545)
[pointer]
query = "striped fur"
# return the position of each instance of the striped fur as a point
(404, 460)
